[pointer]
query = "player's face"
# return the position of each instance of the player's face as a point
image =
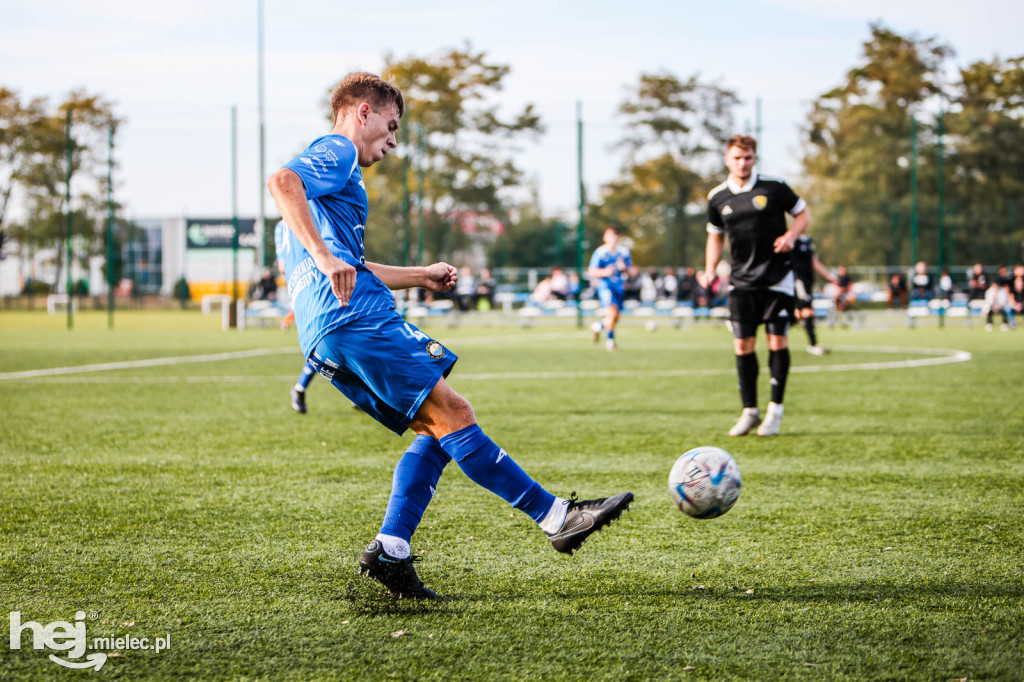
(379, 134)
(740, 162)
(611, 237)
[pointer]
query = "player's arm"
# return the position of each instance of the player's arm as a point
(712, 256)
(801, 221)
(436, 277)
(290, 196)
(820, 268)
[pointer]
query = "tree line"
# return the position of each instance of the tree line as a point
(900, 160)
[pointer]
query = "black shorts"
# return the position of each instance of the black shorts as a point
(749, 308)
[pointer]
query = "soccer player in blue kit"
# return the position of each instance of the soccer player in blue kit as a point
(349, 330)
(609, 266)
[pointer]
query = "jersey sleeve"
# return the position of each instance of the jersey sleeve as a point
(790, 201)
(326, 166)
(595, 259)
(715, 224)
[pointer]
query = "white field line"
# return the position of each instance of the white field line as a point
(938, 356)
(152, 362)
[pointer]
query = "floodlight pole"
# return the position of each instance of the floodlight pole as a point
(582, 208)
(110, 227)
(261, 254)
(913, 190)
(941, 216)
(68, 219)
(233, 313)
(419, 194)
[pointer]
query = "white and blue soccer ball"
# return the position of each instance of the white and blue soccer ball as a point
(704, 482)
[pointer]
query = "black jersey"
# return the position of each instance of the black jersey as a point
(802, 257)
(753, 217)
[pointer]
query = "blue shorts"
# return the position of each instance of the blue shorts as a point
(384, 365)
(608, 296)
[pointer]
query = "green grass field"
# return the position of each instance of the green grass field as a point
(880, 537)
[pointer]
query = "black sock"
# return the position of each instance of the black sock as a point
(747, 368)
(812, 335)
(778, 365)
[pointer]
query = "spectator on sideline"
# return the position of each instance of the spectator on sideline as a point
(921, 283)
(977, 284)
(465, 290)
(668, 285)
(485, 286)
(897, 290)
(843, 297)
(997, 300)
(945, 285)
(559, 283)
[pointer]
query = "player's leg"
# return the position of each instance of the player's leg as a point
(604, 298)
(449, 417)
(299, 389)
(611, 320)
(744, 315)
(779, 312)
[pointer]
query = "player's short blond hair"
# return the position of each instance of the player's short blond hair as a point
(744, 142)
(366, 87)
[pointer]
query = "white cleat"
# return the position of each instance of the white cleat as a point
(611, 346)
(595, 331)
(748, 421)
(815, 350)
(772, 421)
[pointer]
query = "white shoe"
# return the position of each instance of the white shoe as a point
(988, 327)
(815, 350)
(748, 421)
(772, 421)
(610, 345)
(595, 331)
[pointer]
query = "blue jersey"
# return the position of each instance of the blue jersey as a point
(603, 257)
(330, 173)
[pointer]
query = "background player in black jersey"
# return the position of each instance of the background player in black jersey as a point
(751, 209)
(805, 264)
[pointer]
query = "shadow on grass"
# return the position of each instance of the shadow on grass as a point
(818, 593)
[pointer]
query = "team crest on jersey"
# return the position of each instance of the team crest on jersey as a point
(435, 350)
(727, 210)
(760, 201)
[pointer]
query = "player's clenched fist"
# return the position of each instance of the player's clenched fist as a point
(441, 277)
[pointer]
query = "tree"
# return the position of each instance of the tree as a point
(986, 157)
(674, 135)
(33, 144)
(858, 146)
(454, 133)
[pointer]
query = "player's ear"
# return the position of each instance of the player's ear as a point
(363, 112)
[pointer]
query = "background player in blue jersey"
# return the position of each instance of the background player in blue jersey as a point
(350, 332)
(608, 269)
(751, 210)
(298, 394)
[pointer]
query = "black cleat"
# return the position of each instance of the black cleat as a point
(398, 575)
(299, 401)
(586, 517)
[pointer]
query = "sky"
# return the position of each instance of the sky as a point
(175, 71)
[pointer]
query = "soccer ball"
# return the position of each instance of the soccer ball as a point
(704, 482)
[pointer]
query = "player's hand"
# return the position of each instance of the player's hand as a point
(785, 243)
(705, 279)
(441, 277)
(341, 275)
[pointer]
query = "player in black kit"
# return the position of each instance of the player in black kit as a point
(751, 209)
(805, 264)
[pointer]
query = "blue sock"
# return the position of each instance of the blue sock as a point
(413, 485)
(307, 375)
(611, 334)
(489, 466)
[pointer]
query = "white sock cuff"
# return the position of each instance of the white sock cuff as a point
(555, 517)
(394, 546)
